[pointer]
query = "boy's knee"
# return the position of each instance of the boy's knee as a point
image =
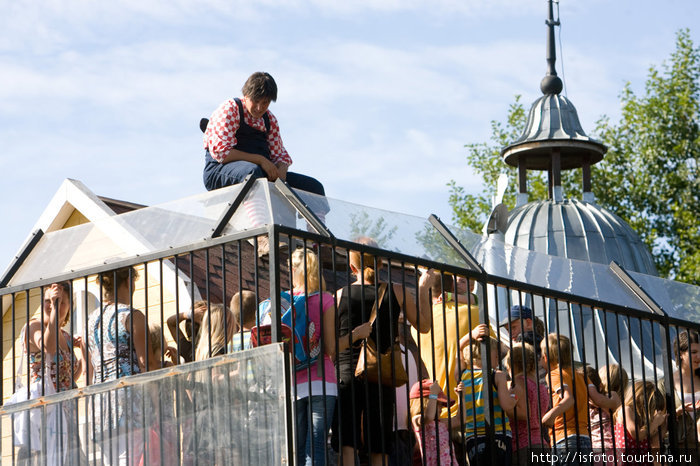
(316, 186)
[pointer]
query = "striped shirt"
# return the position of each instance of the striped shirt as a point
(473, 394)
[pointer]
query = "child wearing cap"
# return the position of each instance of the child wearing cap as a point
(432, 433)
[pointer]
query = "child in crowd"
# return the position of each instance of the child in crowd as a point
(192, 318)
(316, 386)
(404, 445)
(215, 332)
(156, 353)
(604, 400)
(639, 421)
(569, 413)
(436, 449)
(244, 310)
(161, 438)
(472, 391)
(532, 401)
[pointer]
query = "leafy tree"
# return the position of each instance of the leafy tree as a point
(649, 177)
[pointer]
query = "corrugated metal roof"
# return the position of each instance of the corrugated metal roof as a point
(578, 230)
(553, 124)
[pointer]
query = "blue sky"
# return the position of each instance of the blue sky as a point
(377, 98)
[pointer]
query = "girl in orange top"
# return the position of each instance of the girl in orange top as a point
(568, 417)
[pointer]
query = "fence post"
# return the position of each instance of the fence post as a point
(275, 257)
(487, 373)
(665, 328)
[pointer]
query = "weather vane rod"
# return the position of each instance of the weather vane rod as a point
(551, 84)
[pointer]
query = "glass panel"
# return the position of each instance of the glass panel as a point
(226, 410)
(173, 224)
(678, 299)
(575, 277)
(406, 234)
(191, 220)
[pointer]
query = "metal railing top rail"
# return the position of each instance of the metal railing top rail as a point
(634, 307)
(137, 259)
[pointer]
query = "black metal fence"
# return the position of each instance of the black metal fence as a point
(552, 377)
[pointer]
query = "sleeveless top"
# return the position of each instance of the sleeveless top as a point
(113, 356)
(354, 308)
(111, 348)
(473, 394)
(627, 444)
(529, 432)
(249, 139)
(60, 368)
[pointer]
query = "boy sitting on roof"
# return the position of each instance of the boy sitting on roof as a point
(243, 138)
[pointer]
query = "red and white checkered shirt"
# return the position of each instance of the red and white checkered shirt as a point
(220, 136)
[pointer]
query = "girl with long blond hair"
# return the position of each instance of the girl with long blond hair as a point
(316, 385)
(640, 419)
(215, 332)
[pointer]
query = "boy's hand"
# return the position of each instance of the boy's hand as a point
(480, 332)
(171, 353)
(269, 168)
(459, 388)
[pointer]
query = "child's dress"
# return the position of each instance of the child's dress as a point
(601, 428)
(527, 431)
(445, 456)
(627, 444)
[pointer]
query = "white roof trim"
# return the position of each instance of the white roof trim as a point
(71, 194)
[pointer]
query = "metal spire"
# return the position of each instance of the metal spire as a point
(551, 83)
(553, 139)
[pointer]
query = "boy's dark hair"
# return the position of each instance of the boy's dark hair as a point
(260, 85)
(440, 283)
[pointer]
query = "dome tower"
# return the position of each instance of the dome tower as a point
(553, 140)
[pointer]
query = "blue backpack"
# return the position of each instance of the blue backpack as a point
(301, 331)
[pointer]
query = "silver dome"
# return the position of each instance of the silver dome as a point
(578, 230)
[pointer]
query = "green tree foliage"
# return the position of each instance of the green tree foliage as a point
(649, 176)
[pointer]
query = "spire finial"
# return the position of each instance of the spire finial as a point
(551, 83)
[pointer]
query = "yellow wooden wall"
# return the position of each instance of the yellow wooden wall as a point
(76, 218)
